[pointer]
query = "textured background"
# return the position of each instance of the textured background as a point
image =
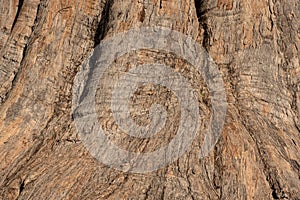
(256, 46)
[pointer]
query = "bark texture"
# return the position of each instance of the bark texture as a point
(256, 45)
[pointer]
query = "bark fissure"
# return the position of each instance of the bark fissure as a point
(103, 25)
(201, 10)
(20, 5)
(22, 186)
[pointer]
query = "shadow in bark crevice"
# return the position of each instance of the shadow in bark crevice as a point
(102, 26)
(20, 5)
(201, 10)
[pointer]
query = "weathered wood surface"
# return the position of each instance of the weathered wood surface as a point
(256, 45)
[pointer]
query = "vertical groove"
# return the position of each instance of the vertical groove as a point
(201, 9)
(102, 27)
(20, 5)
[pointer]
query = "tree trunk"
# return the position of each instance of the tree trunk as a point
(256, 47)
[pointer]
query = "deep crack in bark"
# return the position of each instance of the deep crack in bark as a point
(20, 5)
(201, 10)
(102, 26)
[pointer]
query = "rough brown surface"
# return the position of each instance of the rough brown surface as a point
(256, 45)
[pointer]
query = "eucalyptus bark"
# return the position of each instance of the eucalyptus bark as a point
(256, 46)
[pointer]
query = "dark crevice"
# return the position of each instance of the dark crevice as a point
(201, 10)
(272, 178)
(20, 5)
(274, 195)
(294, 142)
(38, 16)
(142, 15)
(160, 4)
(102, 26)
(162, 196)
(22, 186)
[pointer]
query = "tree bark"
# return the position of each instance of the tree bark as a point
(256, 46)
